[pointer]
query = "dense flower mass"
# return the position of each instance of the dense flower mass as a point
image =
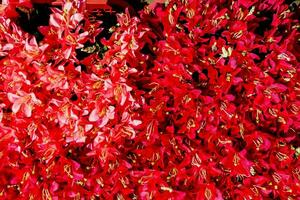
(188, 100)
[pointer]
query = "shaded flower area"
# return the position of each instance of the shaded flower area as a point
(189, 99)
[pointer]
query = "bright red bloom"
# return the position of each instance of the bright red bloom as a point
(188, 100)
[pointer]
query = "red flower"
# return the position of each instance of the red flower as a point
(189, 100)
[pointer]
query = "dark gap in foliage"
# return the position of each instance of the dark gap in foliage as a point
(74, 97)
(31, 18)
(264, 25)
(109, 20)
(195, 77)
(147, 51)
(260, 54)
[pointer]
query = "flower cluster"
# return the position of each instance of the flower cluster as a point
(189, 100)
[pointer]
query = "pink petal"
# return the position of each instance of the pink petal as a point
(67, 7)
(53, 21)
(3, 54)
(65, 85)
(54, 186)
(136, 122)
(73, 115)
(123, 99)
(99, 138)
(16, 106)
(62, 119)
(88, 127)
(94, 116)
(111, 112)
(27, 110)
(33, 42)
(67, 53)
(81, 139)
(104, 122)
(77, 17)
(12, 97)
(125, 116)
(7, 47)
